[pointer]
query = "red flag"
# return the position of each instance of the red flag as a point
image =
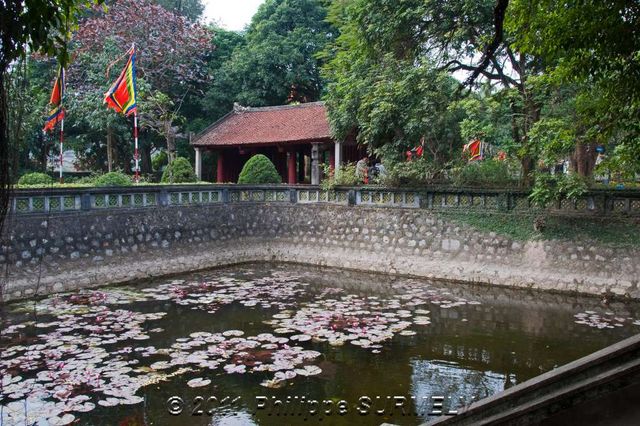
(475, 150)
(57, 113)
(122, 94)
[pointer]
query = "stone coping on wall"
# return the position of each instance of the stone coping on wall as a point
(43, 254)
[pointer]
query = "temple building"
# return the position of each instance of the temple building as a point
(296, 138)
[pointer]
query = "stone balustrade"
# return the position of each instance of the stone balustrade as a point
(58, 200)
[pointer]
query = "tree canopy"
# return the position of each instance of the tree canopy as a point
(278, 62)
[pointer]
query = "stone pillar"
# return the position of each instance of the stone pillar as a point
(220, 168)
(198, 162)
(337, 155)
(291, 168)
(315, 164)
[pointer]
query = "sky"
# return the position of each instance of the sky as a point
(231, 15)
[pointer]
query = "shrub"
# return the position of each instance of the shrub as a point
(549, 188)
(113, 179)
(179, 171)
(486, 173)
(346, 176)
(416, 172)
(86, 180)
(259, 169)
(35, 179)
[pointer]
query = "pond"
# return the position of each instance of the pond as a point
(280, 344)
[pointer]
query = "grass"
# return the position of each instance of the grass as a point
(621, 232)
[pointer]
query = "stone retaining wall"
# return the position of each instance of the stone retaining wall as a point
(50, 253)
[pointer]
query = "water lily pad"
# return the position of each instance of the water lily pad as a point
(308, 370)
(61, 421)
(199, 382)
(273, 383)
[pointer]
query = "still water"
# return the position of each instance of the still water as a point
(273, 344)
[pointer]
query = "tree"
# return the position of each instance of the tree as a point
(278, 64)
(171, 64)
(160, 116)
(219, 97)
(398, 104)
(464, 38)
(39, 26)
(592, 46)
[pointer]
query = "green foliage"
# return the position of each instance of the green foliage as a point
(258, 170)
(516, 226)
(85, 180)
(488, 173)
(610, 231)
(179, 171)
(278, 64)
(551, 188)
(159, 160)
(487, 117)
(219, 97)
(345, 176)
(42, 179)
(598, 58)
(112, 179)
(385, 80)
(417, 172)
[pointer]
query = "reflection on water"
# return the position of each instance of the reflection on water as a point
(456, 385)
(274, 344)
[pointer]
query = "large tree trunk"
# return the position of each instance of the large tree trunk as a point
(5, 162)
(583, 160)
(528, 165)
(145, 165)
(532, 111)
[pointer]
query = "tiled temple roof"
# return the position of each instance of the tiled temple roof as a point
(288, 124)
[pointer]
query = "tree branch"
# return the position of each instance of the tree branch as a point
(490, 49)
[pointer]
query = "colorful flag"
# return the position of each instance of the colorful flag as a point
(474, 148)
(56, 115)
(122, 94)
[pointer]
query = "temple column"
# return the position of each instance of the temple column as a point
(301, 166)
(220, 168)
(198, 162)
(315, 164)
(291, 168)
(337, 156)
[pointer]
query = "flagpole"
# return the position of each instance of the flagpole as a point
(61, 143)
(135, 138)
(135, 127)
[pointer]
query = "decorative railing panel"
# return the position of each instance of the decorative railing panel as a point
(46, 203)
(181, 198)
(115, 200)
(316, 195)
(258, 195)
(382, 198)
